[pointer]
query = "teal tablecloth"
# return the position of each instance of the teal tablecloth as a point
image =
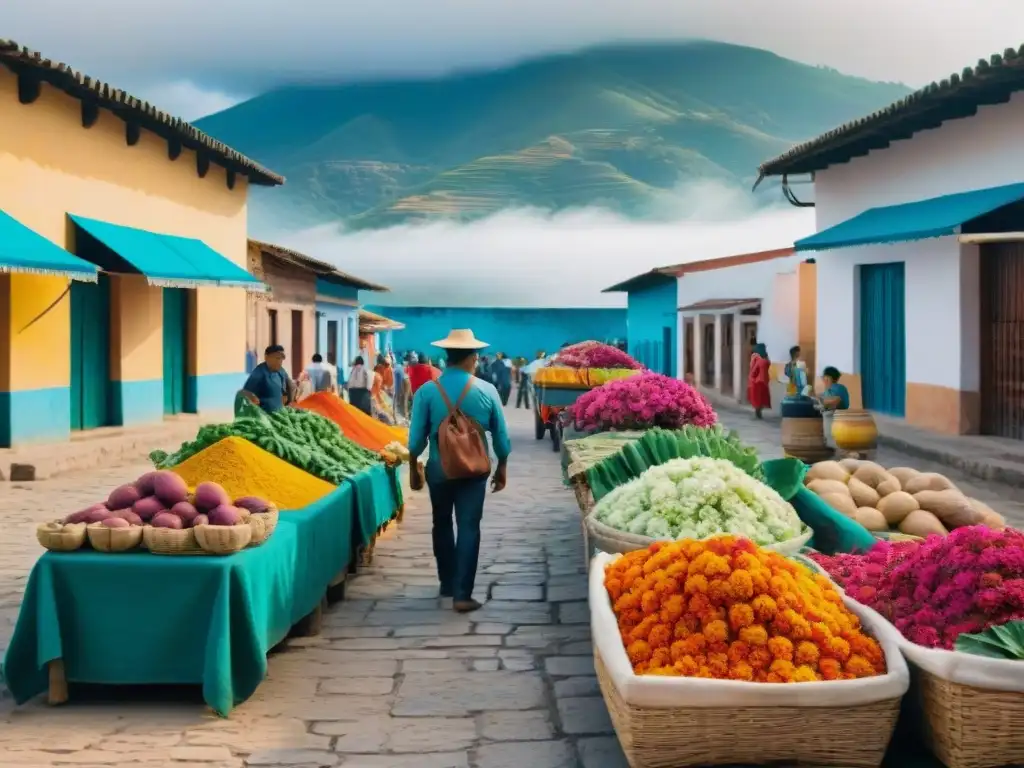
(375, 501)
(138, 618)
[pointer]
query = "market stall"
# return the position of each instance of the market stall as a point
(191, 573)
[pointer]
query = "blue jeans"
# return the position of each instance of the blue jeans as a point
(457, 558)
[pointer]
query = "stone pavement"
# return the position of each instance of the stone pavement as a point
(395, 679)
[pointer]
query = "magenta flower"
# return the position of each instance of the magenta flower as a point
(593, 354)
(642, 402)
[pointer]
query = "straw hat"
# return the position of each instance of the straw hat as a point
(461, 338)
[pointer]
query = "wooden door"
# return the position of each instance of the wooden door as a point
(296, 352)
(332, 342)
(688, 346)
(90, 354)
(883, 338)
(748, 336)
(175, 338)
(667, 349)
(726, 351)
(708, 355)
(1002, 340)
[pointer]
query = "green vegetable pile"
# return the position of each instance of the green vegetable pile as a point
(658, 446)
(303, 438)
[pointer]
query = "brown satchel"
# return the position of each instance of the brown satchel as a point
(461, 442)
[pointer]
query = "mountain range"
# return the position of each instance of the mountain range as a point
(620, 126)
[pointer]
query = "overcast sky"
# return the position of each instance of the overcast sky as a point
(192, 57)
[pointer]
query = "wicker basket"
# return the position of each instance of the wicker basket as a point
(584, 497)
(967, 727)
(69, 538)
(223, 539)
(170, 541)
(613, 541)
(105, 539)
(679, 737)
(263, 524)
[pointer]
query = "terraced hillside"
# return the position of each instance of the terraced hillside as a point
(619, 126)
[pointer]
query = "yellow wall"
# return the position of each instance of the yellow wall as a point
(40, 351)
(51, 166)
(136, 329)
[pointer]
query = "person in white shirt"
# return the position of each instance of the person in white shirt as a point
(359, 386)
(526, 377)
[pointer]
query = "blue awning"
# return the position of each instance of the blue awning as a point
(165, 260)
(936, 217)
(23, 250)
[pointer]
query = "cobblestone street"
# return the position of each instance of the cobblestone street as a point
(396, 678)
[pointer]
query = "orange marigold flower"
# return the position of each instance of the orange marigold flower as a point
(801, 627)
(677, 570)
(678, 650)
(738, 651)
(692, 548)
(830, 669)
(859, 666)
(641, 668)
(754, 635)
(695, 644)
(742, 584)
(705, 672)
(614, 587)
(741, 670)
(660, 636)
(760, 657)
(649, 603)
(638, 651)
(806, 653)
(633, 573)
(784, 669)
(696, 584)
(632, 617)
(699, 603)
(687, 666)
(837, 648)
(740, 614)
(660, 657)
(718, 663)
(781, 648)
(805, 674)
(691, 622)
(716, 631)
(717, 566)
(672, 609)
(666, 587)
(719, 591)
(627, 602)
(699, 563)
(643, 629)
(722, 647)
(668, 671)
(764, 607)
(820, 632)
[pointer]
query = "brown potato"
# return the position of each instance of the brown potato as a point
(862, 495)
(928, 481)
(871, 474)
(821, 487)
(850, 465)
(841, 502)
(903, 474)
(896, 506)
(989, 517)
(922, 523)
(871, 519)
(827, 470)
(951, 507)
(892, 485)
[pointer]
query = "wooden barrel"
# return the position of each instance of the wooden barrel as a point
(854, 430)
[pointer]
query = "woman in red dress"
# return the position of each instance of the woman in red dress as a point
(757, 382)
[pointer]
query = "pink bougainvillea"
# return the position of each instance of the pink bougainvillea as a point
(641, 402)
(594, 354)
(942, 587)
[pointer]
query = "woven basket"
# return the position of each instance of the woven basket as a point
(223, 539)
(263, 524)
(68, 539)
(967, 727)
(584, 497)
(105, 539)
(170, 541)
(613, 541)
(852, 737)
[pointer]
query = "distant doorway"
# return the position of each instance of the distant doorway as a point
(708, 355)
(666, 344)
(332, 342)
(296, 353)
(175, 338)
(687, 347)
(748, 334)
(726, 352)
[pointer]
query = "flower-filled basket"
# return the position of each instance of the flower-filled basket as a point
(737, 690)
(641, 402)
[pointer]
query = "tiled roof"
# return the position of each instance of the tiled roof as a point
(704, 265)
(716, 304)
(372, 321)
(959, 95)
(320, 268)
(87, 89)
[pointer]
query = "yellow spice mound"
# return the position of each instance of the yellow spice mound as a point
(244, 469)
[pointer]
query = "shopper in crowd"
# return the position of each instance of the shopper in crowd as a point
(268, 386)
(458, 397)
(757, 381)
(359, 384)
(501, 377)
(420, 372)
(319, 375)
(791, 372)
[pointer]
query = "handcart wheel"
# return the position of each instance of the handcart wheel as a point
(539, 427)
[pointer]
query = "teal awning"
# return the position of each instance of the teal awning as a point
(936, 217)
(23, 250)
(165, 260)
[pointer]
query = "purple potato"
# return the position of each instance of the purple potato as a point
(225, 514)
(166, 520)
(144, 484)
(200, 520)
(210, 496)
(98, 515)
(253, 503)
(81, 515)
(170, 488)
(131, 517)
(147, 507)
(185, 511)
(116, 522)
(123, 497)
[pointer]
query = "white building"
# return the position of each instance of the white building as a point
(920, 251)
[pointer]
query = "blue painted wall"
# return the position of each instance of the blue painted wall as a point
(347, 318)
(516, 332)
(650, 311)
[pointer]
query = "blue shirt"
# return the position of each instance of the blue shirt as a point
(319, 377)
(840, 391)
(399, 374)
(481, 404)
(269, 386)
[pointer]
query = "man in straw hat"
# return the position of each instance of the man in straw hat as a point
(457, 390)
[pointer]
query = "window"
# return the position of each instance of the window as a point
(272, 316)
